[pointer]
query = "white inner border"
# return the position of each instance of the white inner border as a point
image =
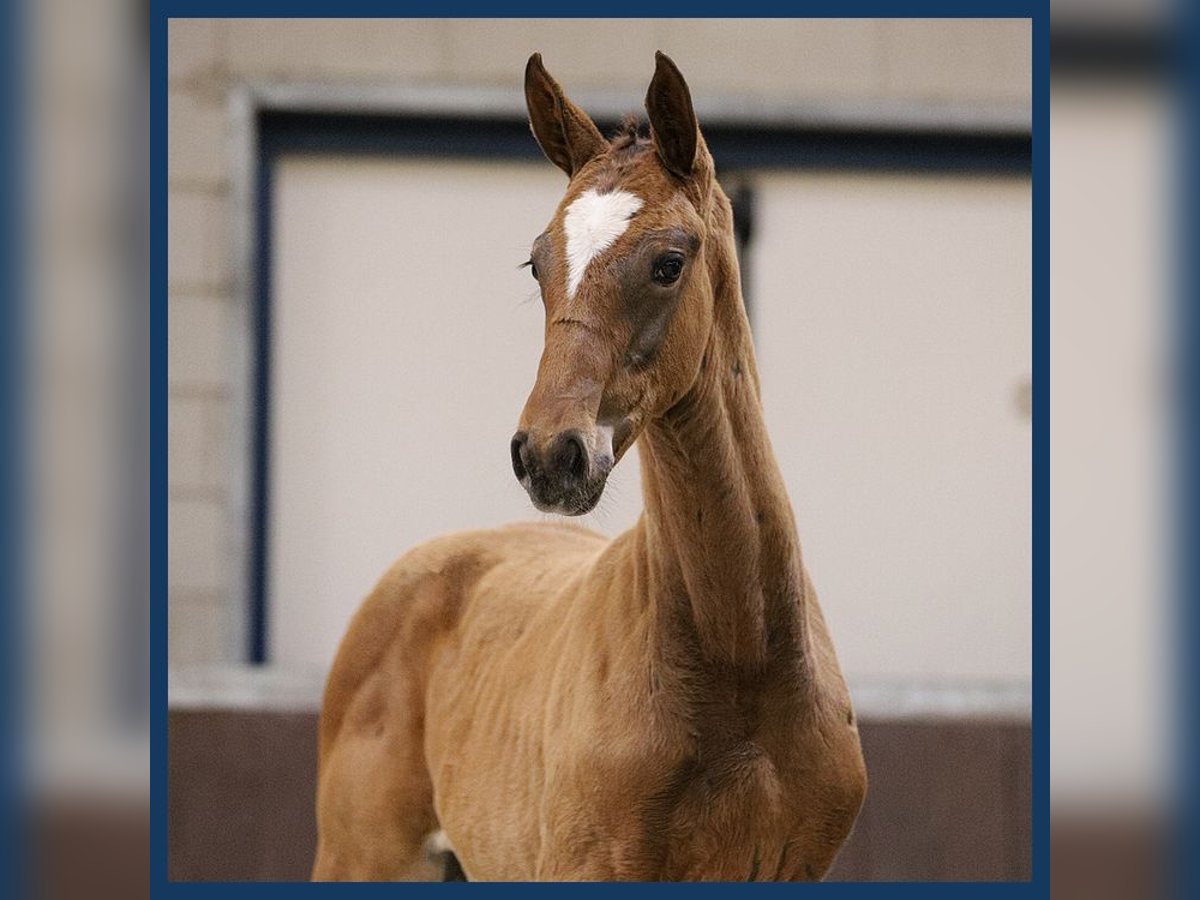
(269, 689)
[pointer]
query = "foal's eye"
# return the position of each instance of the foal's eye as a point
(668, 267)
(533, 269)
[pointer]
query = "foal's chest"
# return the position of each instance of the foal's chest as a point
(762, 824)
(738, 814)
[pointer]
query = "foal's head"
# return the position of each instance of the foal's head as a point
(626, 274)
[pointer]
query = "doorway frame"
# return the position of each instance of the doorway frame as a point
(269, 121)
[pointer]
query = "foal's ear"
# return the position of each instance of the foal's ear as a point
(672, 119)
(566, 134)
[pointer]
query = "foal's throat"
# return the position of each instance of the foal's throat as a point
(718, 527)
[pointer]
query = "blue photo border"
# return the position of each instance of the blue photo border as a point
(14, 383)
(1037, 12)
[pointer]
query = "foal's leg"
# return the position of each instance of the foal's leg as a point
(374, 796)
(375, 806)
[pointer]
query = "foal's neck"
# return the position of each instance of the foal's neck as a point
(718, 530)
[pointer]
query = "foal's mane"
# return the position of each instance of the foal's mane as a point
(632, 135)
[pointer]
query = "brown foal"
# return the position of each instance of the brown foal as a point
(555, 705)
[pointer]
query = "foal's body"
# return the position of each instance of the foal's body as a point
(665, 705)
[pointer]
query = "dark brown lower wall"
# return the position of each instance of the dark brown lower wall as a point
(240, 796)
(949, 800)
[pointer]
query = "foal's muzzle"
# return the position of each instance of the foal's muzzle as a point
(561, 474)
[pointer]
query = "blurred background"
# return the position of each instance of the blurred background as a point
(1116, 168)
(351, 341)
(318, 172)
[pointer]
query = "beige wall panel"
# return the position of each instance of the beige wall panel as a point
(794, 58)
(193, 48)
(196, 628)
(578, 52)
(198, 341)
(406, 341)
(196, 132)
(198, 444)
(957, 59)
(338, 48)
(198, 239)
(196, 560)
(893, 324)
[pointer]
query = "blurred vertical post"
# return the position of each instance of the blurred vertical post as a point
(1114, 260)
(85, 635)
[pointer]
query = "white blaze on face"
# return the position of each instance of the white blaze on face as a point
(593, 223)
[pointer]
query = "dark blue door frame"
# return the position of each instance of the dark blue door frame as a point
(735, 148)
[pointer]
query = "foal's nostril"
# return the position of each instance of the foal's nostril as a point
(517, 448)
(572, 457)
